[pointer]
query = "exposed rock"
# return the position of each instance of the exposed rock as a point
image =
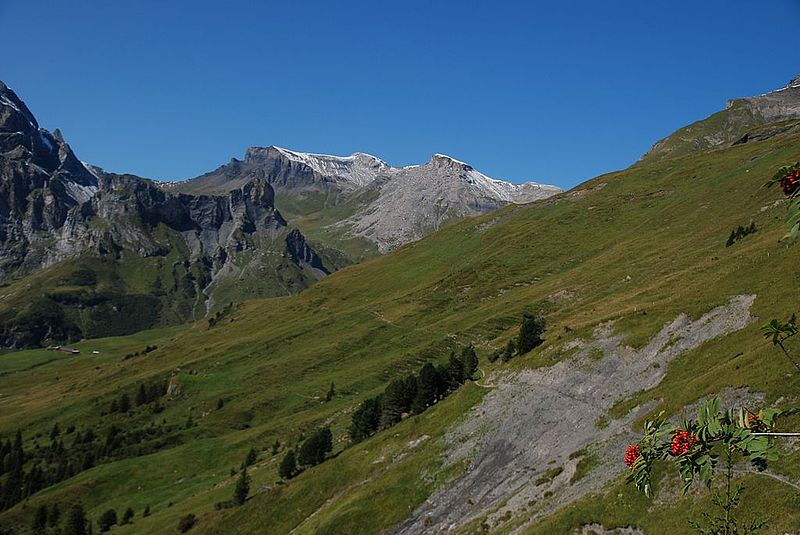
(535, 420)
(53, 208)
(414, 201)
(740, 122)
(389, 206)
(304, 255)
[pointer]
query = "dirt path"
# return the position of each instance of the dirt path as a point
(483, 376)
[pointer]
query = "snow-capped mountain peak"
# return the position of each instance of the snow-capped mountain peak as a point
(358, 169)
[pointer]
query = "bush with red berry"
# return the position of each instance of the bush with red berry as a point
(695, 445)
(788, 178)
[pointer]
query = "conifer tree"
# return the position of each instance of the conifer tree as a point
(76, 523)
(331, 393)
(392, 404)
(54, 516)
(508, 352)
(288, 466)
(314, 448)
(427, 388)
(107, 519)
(141, 396)
(242, 487)
(40, 520)
(124, 403)
(251, 458)
(530, 333)
(366, 418)
(455, 372)
(470, 359)
(128, 516)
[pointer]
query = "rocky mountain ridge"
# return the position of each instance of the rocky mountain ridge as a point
(53, 208)
(742, 120)
(388, 206)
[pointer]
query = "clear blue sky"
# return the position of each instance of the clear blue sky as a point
(549, 91)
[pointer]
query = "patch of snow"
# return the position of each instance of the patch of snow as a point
(506, 191)
(438, 155)
(358, 169)
(7, 102)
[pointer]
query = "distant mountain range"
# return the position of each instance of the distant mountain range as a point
(384, 205)
(268, 225)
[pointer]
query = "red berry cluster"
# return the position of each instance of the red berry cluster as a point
(632, 454)
(791, 182)
(682, 442)
(755, 423)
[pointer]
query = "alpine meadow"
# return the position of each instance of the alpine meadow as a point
(302, 343)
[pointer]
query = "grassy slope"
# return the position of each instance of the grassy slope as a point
(639, 246)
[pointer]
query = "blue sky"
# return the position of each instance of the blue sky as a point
(548, 91)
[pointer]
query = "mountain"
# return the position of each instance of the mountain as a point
(162, 253)
(88, 253)
(742, 120)
(362, 199)
(647, 310)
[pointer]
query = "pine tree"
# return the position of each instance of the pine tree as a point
(313, 450)
(470, 359)
(508, 352)
(331, 393)
(276, 446)
(251, 457)
(409, 391)
(76, 523)
(455, 372)
(187, 522)
(40, 520)
(141, 396)
(242, 487)
(288, 466)
(128, 516)
(124, 403)
(146, 511)
(54, 516)
(107, 519)
(366, 418)
(530, 333)
(55, 432)
(427, 388)
(392, 404)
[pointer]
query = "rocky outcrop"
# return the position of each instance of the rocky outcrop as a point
(303, 255)
(742, 121)
(388, 206)
(411, 202)
(288, 172)
(55, 208)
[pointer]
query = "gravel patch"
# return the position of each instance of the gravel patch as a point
(532, 421)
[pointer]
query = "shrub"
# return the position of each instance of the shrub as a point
(187, 522)
(107, 519)
(530, 333)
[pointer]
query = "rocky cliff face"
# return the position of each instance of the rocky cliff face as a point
(387, 206)
(745, 119)
(288, 172)
(54, 208)
(413, 201)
